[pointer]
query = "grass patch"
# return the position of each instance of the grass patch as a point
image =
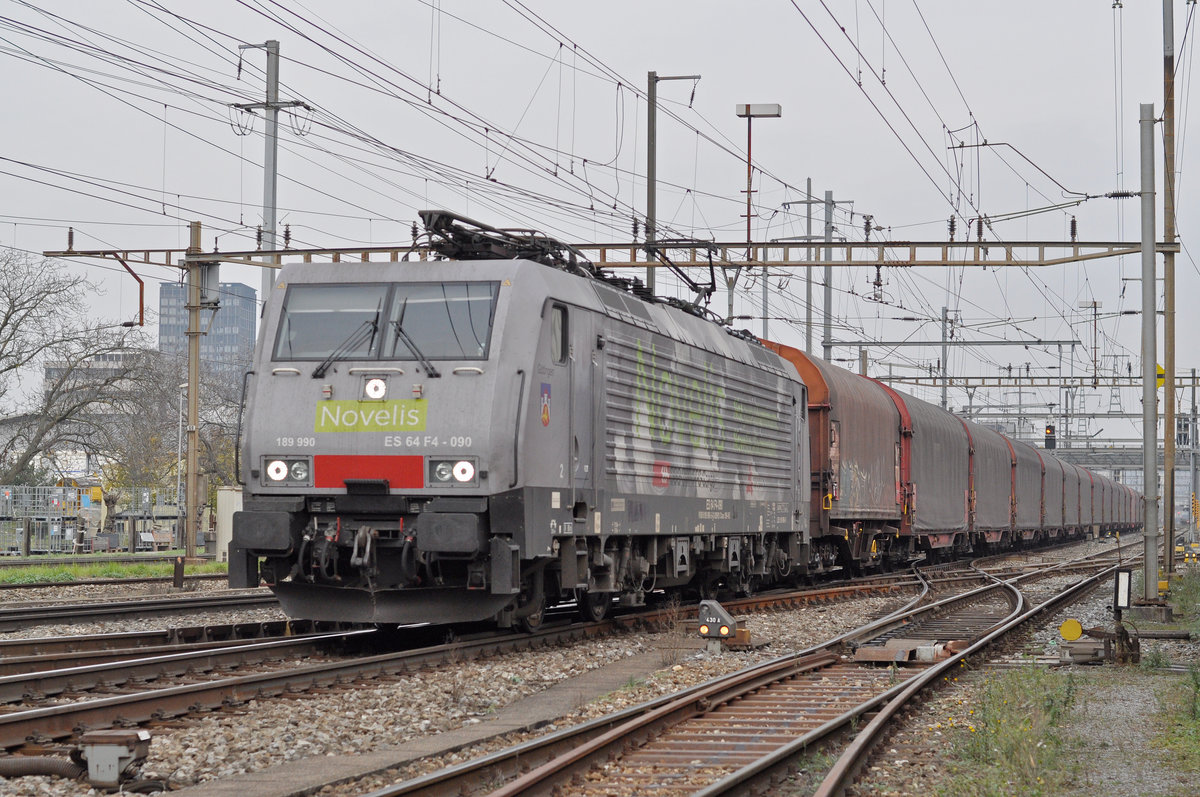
(808, 774)
(84, 571)
(1181, 723)
(1185, 594)
(1008, 742)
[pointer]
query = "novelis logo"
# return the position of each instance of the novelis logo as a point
(405, 415)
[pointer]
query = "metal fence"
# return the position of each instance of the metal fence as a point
(68, 519)
(45, 536)
(18, 501)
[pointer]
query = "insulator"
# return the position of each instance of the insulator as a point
(70, 239)
(979, 228)
(1074, 228)
(415, 232)
(287, 235)
(635, 228)
(258, 237)
(953, 226)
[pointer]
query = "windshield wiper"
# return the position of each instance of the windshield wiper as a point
(355, 339)
(405, 338)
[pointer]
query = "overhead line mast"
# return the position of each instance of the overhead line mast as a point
(271, 153)
(1169, 286)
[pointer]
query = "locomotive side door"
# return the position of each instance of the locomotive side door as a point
(584, 375)
(548, 416)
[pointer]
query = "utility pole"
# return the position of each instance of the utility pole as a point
(945, 356)
(808, 199)
(1169, 286)
(1192, 457)
(651, 175)
(827, 343)
(271, 154)
(1095, 306)
(1149, 373)
(652, 79)
(194, 271)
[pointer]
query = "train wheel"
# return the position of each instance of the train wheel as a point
(533, 621)
(593, 606)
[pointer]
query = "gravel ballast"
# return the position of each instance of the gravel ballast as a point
(390, 713)
(358, 720)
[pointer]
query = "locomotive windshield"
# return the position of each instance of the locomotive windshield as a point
(443, 321)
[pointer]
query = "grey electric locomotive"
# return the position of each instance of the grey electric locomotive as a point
(478, 436)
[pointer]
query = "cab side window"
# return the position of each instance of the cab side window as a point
(559, 348)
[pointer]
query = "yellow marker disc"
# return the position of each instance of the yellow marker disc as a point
(1071, 630)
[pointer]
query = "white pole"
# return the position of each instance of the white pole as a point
(1149, 358)
(827, 343)
(180, 503)
(808, 269)
(270, 165)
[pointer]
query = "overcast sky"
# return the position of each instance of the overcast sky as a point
(533, 115)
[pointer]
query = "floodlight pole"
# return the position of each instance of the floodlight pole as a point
(652, 79)
(751, 112)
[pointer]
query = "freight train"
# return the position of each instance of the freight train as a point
(505, 427)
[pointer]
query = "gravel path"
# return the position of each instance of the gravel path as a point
(1111, 738)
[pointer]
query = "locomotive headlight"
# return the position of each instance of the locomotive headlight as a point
(375, 389)
(289, 471)
(453, 472)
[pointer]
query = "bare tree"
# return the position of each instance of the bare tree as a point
(92, 369)
(143, 446)
(142, 441)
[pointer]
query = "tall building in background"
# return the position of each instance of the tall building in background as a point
(229, 344)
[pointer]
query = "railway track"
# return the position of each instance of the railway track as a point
(39, 654)
(46, 724)
(31, 727)
(15, 618)
(44, 707)
(743, 734)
